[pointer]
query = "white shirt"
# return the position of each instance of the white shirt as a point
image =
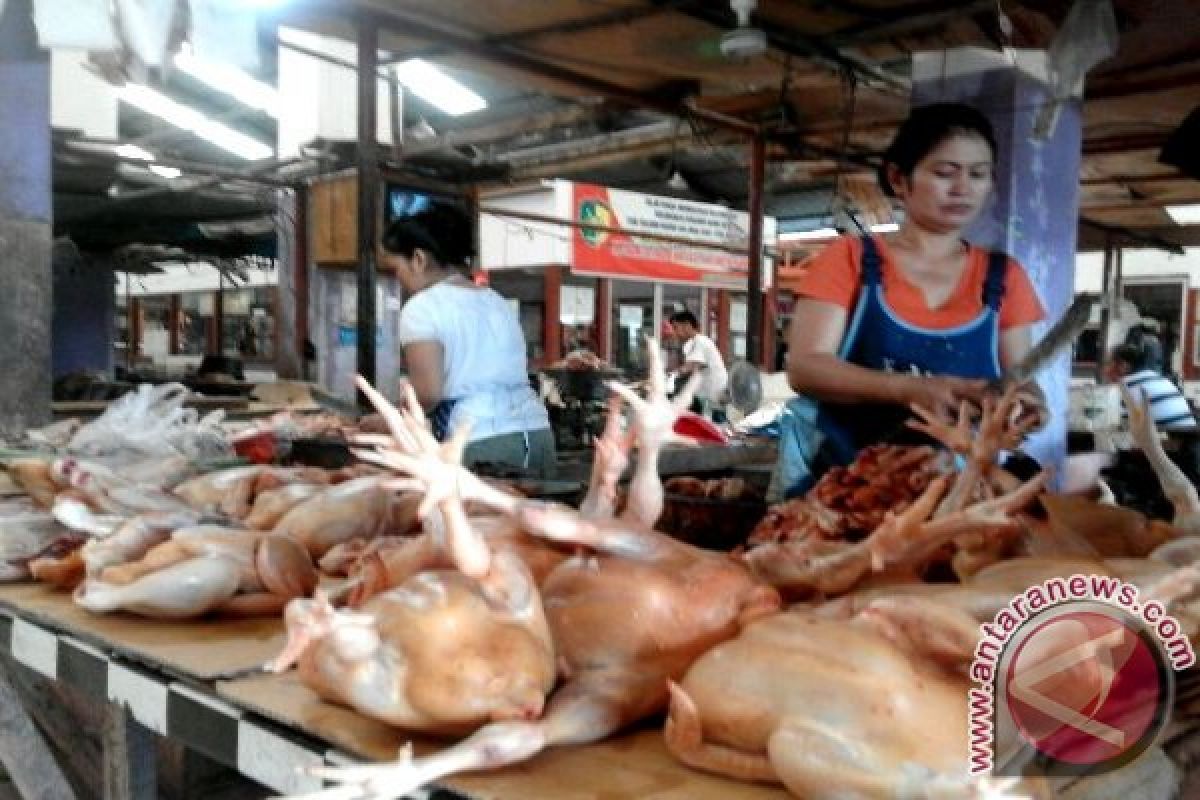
(1168, 406)
(702, 350)
(483, 357)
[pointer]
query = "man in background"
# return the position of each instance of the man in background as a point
(1137, 369)
(700, 355)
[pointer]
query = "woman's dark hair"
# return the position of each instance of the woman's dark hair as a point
(685, 318)
(925, 129)
(443, 231)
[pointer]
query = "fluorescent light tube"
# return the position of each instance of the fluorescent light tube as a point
(189, 119)
(133, 151)
(437, 88)
(803, 236)
(230, 80)
(1186, 214)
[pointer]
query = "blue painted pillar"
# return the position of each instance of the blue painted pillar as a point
(25, 222)
(1034, 214)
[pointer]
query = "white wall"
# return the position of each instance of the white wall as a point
(506, 243)
(79, 98)
(1089, 267)
(319, 99)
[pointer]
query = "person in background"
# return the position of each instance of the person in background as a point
(464, 350)
(919, 317)
(1135, 367)
(700, 355)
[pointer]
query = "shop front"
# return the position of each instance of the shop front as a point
(598, 269)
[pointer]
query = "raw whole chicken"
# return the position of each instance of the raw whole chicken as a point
(821, 699)
(634, 611)
(956, 511)
(362, 508)
(273, 504)
(903, 544)
(447, 650)
(232, 491)
(380, 564)
(821, 706)
(385, 562)
(849, 502)
(36, 477)
(204, 569)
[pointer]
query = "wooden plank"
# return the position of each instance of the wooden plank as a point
(202, 650)
(130, 759)
(24, 753)
(635, 765)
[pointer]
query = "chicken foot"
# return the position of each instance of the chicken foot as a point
(904, 540)
(1175, 485)
(609, 463)
(586, 709)
(654, 422)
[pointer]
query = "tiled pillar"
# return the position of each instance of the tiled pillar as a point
(25, 223)
(1034, 214)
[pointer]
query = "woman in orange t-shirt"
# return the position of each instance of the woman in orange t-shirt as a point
(919, 317)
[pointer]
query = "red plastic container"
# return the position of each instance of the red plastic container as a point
(258, 447)
(697, 427)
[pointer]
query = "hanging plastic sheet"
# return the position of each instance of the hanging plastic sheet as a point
(1088, 36)
(226, 32)
(74, 24)
(146, 25)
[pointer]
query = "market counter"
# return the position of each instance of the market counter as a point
(199, 683)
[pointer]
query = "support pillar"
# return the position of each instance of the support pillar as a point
(754, 278)
(368, 196)
(291, 309)
(552, 315)
(603, 319)
(1033, 217)
(26, 204)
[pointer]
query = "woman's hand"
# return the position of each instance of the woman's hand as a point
(1031, 405)
(941, 394)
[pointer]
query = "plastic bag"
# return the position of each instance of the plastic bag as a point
(149, 422)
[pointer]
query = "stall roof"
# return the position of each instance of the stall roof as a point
(832, 85)
(562, 78)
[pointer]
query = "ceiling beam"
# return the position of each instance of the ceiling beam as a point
(1150, 240)
(1111, 145)
(868, 33)
(621, 16)
(811, 48)
(1141, 203)
(512, 58)
(1138, 179)
(502, 129)
(1183, 75)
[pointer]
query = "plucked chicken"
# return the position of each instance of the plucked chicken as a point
(449, 649)
(205, 569)
(634, 610)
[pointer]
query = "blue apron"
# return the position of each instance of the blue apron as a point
(817, 436)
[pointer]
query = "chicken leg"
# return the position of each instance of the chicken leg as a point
(654, 421)
(1175, 485)
(631, 614)
(484, 616)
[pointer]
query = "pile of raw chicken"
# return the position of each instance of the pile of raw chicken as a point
(421, 595)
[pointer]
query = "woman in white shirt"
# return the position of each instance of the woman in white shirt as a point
(464, 350)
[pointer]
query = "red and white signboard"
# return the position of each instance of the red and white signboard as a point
(617, 250)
